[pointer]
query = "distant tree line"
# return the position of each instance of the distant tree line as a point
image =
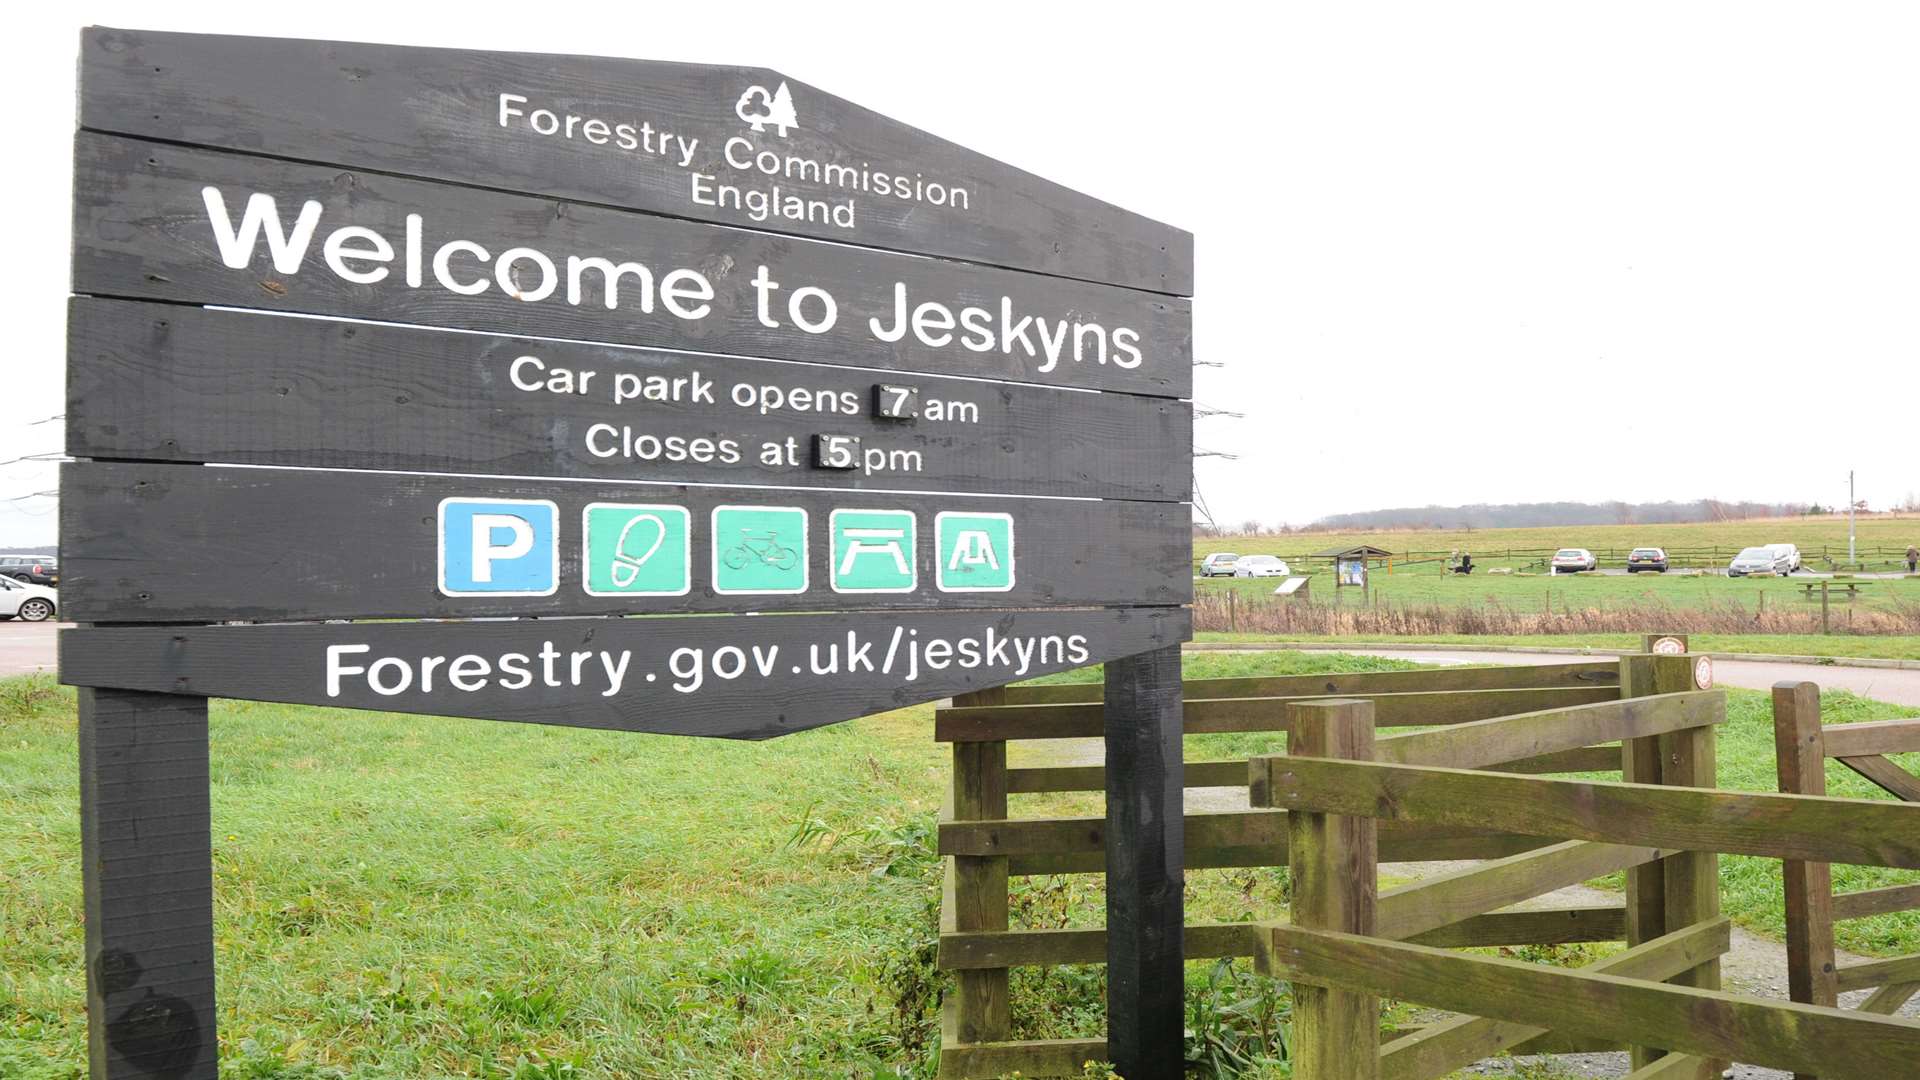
(1525, 515)
(1530, 515)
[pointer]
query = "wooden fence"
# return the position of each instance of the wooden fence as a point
(983, 845)
(1802, 748)
(1666, 820)
(1473, 778)
(1704, 557)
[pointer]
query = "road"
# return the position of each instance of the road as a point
(1882, 684)
(26, 647)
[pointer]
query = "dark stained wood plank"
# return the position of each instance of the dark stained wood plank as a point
(1547, 926)
(1876, 902)
(1145, 864)
(1863, 831)
(1487, 743)
(164, 382)
(437, 112)
(1028, 1057)
(1215, 715)
(146, 838)
(1890, 777)
(1042, 948)
(1334, 861)
(979, 892)
(1874, 737)
(1448, 898)
(153, 542)
(732, 678)
(1225, 829)
(1585, 674)
(1800, 764)
(1895, 972)
(1397, 845)
(145, 229)
(1234, 773)
(1445, 1046)
(1684, 1019)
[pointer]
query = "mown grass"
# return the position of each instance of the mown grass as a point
(1890, 646)
(403, 896)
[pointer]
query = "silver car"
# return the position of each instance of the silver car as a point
(1770, 559)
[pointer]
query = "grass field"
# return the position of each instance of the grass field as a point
(1809, 533)
(402, 896)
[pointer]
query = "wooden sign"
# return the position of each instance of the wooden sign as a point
(163, 382)
(160, 222)
(166, 543)
(609, 393)
(730, 145)
(747, 678)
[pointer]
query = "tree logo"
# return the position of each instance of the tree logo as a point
(759, 108)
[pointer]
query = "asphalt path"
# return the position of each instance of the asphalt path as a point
(1902, 687)
(26, 647)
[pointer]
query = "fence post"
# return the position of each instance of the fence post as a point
(1146, 866)
(146, 844)
(1692, 886)
(979, 882)
(1334, 864)
(1640, 760)
(1798, 747)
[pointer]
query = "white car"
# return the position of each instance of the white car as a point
(1219, 564)
(1260, 566)
(27, 602)
(1573, 561)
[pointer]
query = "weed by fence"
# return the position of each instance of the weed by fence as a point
(1255, 615)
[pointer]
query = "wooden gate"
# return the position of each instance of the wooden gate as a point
(984, 846)
(1802, 747)
(1475, 780)
(1346, 948)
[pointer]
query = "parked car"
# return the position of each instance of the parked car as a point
(1790, 552)
(1654, 559)
(1573, 560)
(1260, 566)
(34, 569)
(1218, 564)
(1766, 559)
(27, 601)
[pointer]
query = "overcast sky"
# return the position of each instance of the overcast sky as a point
(1446, 253)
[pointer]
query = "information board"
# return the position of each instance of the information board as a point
(567, 390)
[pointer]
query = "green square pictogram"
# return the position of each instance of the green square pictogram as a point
(873, 551)
(973, 552)
(759, 549)
(635, 549)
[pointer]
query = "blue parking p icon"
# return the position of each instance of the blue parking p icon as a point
(499, 547)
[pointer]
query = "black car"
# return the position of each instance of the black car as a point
(1654, 559)
(34, 569)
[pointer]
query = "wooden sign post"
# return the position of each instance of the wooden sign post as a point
(514, 348)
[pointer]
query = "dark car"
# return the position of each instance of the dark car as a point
(33, 569)
(1654, 559)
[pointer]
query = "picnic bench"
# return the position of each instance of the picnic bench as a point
(1822, 585)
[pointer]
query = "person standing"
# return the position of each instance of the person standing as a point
(1913, 558)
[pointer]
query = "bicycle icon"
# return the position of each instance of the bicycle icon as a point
(762, 548)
